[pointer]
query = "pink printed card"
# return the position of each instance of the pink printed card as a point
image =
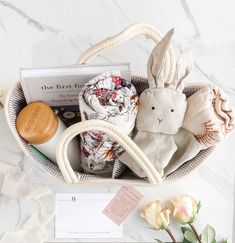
(122, 204)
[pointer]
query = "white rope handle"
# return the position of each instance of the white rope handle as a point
(115, 133)
(131, 31)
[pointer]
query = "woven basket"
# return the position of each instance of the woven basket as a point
(15, 101)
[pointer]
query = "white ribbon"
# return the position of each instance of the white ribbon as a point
(13, 183)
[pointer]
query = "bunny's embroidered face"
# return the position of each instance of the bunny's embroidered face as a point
(161, 110)
(162, 107)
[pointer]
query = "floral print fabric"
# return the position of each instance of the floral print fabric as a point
(106, 97)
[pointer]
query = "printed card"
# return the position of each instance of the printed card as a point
(122, 204)
(81, 216)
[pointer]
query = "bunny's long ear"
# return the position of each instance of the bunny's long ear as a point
(183, 68)
(156, 61)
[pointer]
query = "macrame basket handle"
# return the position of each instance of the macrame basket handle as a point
(131, 31)
(114, 133)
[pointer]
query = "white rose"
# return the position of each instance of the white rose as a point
(156, 216)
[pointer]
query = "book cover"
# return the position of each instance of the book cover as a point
(60, 87)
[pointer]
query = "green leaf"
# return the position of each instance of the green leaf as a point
(208, 235)
(190, 236)
(225, 241)
(158, 241)
(198, 206)
(185, 241)
(184, 229)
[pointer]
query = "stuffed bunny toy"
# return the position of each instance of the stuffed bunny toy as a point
(161, 112)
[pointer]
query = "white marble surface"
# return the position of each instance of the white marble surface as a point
(55, 32)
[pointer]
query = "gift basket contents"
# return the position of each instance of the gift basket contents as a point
(100, 123)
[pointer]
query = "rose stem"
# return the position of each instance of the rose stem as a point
(195, 232)
(171, 235)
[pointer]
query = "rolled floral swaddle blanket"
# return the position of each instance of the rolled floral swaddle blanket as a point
(111, 98)
(209, 116)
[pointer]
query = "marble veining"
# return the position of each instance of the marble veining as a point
(56, 32)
